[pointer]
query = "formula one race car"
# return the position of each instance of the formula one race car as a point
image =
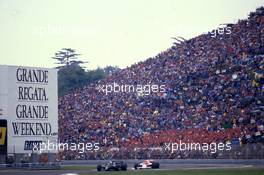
(147, 164)
(112, 166)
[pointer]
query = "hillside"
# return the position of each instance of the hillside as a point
(213, 93)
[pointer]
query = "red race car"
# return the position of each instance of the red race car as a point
(147, 164)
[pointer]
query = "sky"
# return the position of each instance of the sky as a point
(107, 32)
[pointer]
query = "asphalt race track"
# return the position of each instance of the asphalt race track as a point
(164, 165)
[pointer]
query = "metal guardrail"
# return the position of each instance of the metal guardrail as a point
(169, 161)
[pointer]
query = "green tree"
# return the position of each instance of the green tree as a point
(72, 75)
(67, 57)
(109, 70)
(70, 78)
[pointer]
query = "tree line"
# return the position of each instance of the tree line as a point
(72, 73)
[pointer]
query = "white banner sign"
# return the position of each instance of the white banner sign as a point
(29, 100)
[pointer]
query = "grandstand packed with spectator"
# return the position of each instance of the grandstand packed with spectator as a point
(214, 93)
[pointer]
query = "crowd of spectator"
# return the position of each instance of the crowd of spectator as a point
(214, 93)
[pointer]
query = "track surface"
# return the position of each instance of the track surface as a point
(164, 165)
